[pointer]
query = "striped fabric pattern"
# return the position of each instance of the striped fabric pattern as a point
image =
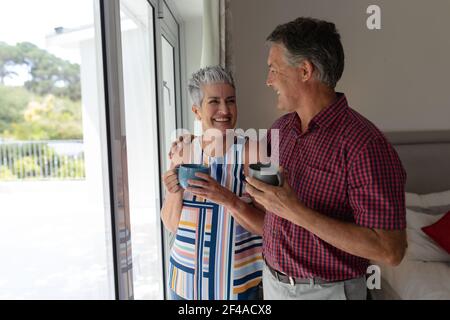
(213, 257)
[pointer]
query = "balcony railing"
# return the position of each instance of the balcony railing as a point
(42, 160)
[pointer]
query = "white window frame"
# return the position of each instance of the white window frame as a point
(116, 133)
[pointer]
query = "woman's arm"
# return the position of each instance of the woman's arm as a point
(180, 152)
(173, 202)
(171, 211)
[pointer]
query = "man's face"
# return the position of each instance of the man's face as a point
(218, 108)
(284, 79)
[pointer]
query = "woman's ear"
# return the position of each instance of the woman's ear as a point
(196, 111)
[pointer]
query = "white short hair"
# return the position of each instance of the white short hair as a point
(207, 75)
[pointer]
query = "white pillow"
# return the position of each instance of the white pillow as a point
(435, 199)
(420, 246)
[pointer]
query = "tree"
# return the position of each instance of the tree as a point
(9, 57)
(54, 83)
(50, 74)
(13, 102)
(49, 118)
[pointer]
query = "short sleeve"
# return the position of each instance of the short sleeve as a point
(376, 187)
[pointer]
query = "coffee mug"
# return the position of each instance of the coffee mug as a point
(265, 173)
(188, 171)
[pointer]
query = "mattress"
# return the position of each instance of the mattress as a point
(415, 280)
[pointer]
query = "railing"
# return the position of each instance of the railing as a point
(44, 159)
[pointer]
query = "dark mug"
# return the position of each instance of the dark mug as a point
(188, 171)
(265, 173)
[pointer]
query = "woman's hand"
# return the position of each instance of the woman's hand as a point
(171, 182)
(211, 190)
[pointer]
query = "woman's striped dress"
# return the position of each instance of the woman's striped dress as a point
(213, 257)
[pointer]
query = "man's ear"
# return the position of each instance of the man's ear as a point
(196, 111)
(306, 70)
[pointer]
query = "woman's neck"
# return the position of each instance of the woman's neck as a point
(217, 146)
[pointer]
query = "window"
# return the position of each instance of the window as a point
(139, 76)
(54, 185)
(83, 128)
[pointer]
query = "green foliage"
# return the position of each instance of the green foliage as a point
(13, 102)
(49, 74)
(48, 106)
(9, 57)
(23, 161)
(26, 167)
(6, 174)
(72, 168)
(48, 118)
(18, 150)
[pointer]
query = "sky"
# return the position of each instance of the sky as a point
(32, 21)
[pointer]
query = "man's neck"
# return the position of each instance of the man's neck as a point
(314, 103)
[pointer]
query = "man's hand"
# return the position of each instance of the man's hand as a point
(274, 199)
(211, 190)
(180, 149)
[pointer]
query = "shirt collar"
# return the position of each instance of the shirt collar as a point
(325, 117)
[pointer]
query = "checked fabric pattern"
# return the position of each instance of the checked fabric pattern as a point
(342, 166)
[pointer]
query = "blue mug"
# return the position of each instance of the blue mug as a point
(188, 171)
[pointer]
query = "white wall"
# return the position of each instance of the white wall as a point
(398, 76)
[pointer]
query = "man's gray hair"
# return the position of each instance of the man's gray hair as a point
(315, 40)
(204, 76)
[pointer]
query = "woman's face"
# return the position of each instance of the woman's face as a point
(218, 109)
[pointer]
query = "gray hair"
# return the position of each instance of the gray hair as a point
(204, 76)
(316, 41)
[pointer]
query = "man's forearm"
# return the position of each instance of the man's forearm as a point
(247, 215)
(349, 237)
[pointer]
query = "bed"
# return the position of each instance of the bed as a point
(424, 273)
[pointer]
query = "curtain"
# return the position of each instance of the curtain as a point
(211, 33)
(216, 46)
(216, 39)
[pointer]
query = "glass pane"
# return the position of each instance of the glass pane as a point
(142, 146)
(168, 94)
(53, 170)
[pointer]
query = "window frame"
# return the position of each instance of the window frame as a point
(115, 125)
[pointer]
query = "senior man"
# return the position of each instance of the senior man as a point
(342, 201)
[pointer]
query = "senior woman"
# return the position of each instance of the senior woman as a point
(217, 253)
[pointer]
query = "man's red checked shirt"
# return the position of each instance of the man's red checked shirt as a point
(342, 167)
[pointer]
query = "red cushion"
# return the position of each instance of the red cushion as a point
(440, 231)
